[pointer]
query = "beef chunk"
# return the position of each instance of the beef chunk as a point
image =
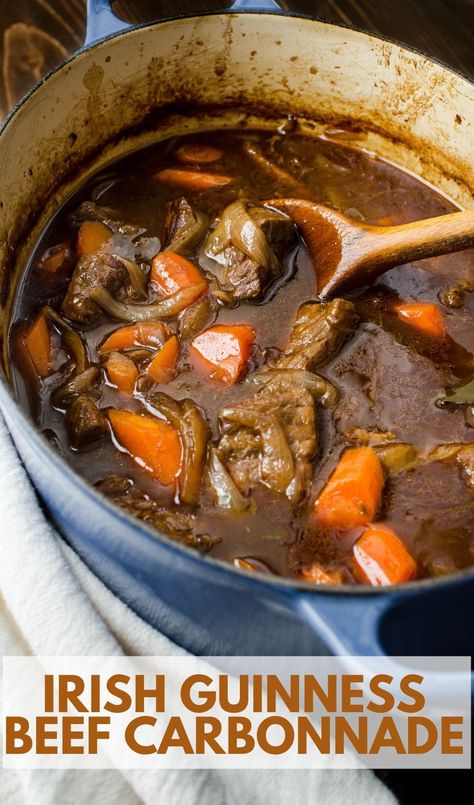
(92, 271)
(178, 216)
(85, 422)
(278, 230)
(271, 440)
(245, 278)
(319, 331)
(179, 525)
(90, 211)
(184, 227)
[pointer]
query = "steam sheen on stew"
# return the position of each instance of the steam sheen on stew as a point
(168, 341)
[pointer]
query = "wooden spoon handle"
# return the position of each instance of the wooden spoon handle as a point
(394, 245)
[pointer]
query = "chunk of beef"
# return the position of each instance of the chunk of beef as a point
(179, 525)
(85, 422)
(245, 278)
(271, 440)
(92, 271)
(90, 211)
(179, 216)
(318, 333)
(184, 227)
(278, 230)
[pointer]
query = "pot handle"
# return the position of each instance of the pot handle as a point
(349, 625)
(102, 22)
(256, 5)
(352, 626)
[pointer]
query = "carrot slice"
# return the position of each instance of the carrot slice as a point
(387, 220)
(425, 316)
(172, 273)
(92, 237)
(195, 152)
(317, 574)
(152, 443)
(193, 180)
(143, 334)
(163, 367)
(39, 346)
(224, 350)
(122, 372)
(380, 558)
(352, 495)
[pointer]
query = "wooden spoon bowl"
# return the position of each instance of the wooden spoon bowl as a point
(348, 255)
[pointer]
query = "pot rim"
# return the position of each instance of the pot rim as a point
(280, 584)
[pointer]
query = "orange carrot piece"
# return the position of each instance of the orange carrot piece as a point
(193, 180)
(224, 350)
(143, 334)
(387, 220)
(172, 273)
(152, 443)
(122, 372)
(380, 558)
(54, 258)
(425, 316)
(39, 346)
(352, 495)
(163, 367)
(316, 574)
(92, 237)
(195, 152)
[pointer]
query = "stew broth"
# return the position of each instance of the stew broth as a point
(391, 373)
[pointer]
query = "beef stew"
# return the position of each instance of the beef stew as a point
(167, 339)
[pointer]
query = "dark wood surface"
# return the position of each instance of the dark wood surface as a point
(37, 34)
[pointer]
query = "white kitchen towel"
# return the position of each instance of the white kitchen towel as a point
(51, 604)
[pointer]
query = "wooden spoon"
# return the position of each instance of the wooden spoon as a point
(348, 255)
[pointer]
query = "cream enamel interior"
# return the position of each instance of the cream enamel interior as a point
(415, 112)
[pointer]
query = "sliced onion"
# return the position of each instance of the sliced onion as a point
(226, 493)
(194, 434)
(71, 339)
(163, 309)
(147, 248)
(78, 384)
(324, 391)
(444, 452)
(238, 229)
(138, 279)
(398, 458)
(198, 434)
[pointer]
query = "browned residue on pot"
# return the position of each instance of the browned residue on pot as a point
(220, 62)
(113, 110)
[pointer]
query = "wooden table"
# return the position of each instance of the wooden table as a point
(37, 34)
